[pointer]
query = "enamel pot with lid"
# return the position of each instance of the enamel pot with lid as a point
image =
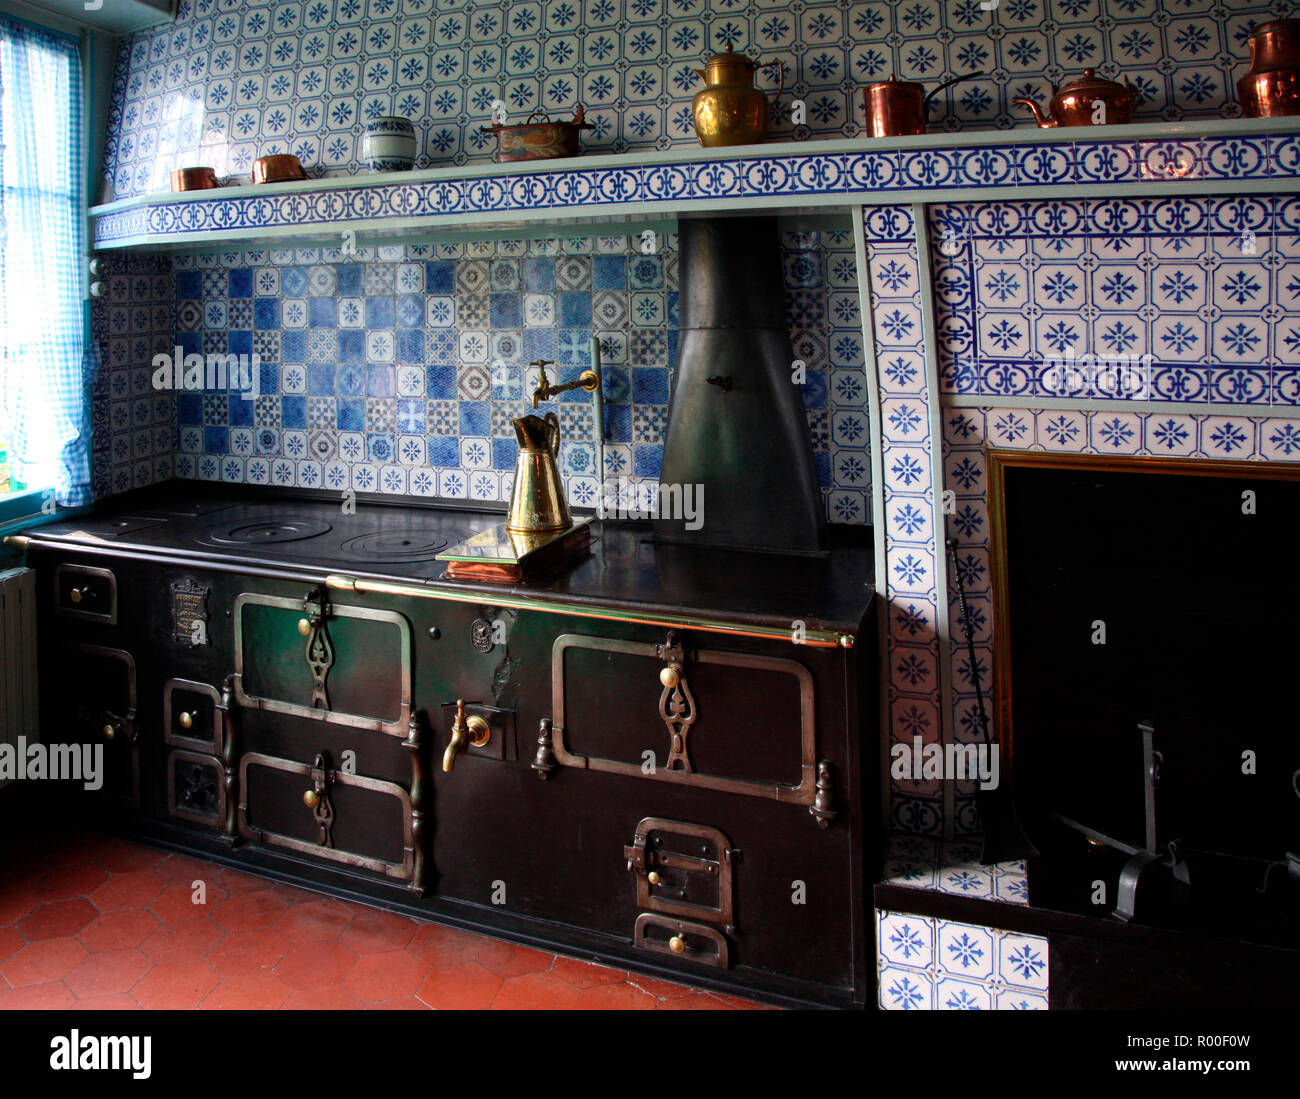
(897, 108)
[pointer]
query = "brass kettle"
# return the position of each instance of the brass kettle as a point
(537, 500)
(730, 110)
(1088, 100)
(1271, 86)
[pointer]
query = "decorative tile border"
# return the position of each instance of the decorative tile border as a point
(925, 963)
(807, 177)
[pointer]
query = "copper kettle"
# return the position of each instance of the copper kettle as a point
(1088, 100)
(1271, 85)
(897, 108)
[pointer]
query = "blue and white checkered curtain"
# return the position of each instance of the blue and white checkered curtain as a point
(41, 225)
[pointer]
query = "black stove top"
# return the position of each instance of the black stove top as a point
(373, 538)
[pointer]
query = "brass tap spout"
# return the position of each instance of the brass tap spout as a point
(588, 380)
(459, 737)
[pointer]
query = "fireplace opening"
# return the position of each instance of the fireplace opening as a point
(1146, 625)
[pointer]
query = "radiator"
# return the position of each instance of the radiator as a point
(18, 716)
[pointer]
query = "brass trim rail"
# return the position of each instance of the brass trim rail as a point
(816, 639)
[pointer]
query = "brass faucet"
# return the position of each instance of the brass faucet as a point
(588, 380)
(464, 732)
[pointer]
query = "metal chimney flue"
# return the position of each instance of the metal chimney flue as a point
(736, 421)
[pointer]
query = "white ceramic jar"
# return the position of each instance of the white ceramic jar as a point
(388, 144)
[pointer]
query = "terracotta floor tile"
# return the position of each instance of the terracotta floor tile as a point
(249, 910)
(46, 960)
(375, 932)
(16, 902)
(10, 942)
(661, 990)
(313, 920)
(122, 1001)
(132, 889)
(736, 1002)
(586, 974)
(692, 1001)
(107, 973)
(510, 960)
(56, 919)
(436, 945)
(236, 881)
(255, 951)
(183, 870)
(248, 992)
(316, 965)
(176, 903)
(388, 976)
(179, 984)
(118, 930)
(181, 939)
(619, 997)
(119, 856)
(67, 882)
(460, 987)
(538, 992)
(51, 996)
(409, 1003)
(333, 998)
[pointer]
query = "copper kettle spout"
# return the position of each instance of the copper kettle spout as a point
(1044, 122)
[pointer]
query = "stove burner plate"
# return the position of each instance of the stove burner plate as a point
(407, 544)
(265, 532)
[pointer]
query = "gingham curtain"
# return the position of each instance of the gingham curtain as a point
(44, 375)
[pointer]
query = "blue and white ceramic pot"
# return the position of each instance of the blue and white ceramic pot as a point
(388, 144)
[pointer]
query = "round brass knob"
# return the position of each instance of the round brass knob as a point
(677, 944)
(653, 877)
(304, 626)
(480, 732)
(109, 731)
(670, 677)
(186, 720)
(311, 799)
(78, 594)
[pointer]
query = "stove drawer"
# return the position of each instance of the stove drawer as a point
(191, 715)
(738, 722)
(312, 658)
(100, 710)
(86, 593)
(316, 810)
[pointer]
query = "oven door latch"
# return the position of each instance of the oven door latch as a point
(320, 651)
(317, 798)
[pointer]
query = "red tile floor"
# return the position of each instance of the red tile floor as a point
(91, 921)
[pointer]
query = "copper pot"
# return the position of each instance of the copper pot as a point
(1271, 85)
(897, 108)
(1088, 100)
(539, 140)
(277, 169)
(194, 179)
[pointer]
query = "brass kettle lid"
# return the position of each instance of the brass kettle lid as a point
(729, 60)
(1090, 81)
(1275, 25)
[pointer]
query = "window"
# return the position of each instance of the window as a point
(44, 425)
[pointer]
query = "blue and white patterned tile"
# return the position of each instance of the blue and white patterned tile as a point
(905, 989)
(965, 950)
(1022, 961)
(906, 941)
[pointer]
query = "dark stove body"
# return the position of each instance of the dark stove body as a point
(717, 824)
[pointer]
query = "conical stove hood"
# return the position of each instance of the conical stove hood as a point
(736, 421)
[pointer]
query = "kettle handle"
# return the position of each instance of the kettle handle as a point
(780, 70)
(552, 419)
(925, 103)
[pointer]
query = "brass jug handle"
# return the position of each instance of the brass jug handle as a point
(552, 419)
(780, 72)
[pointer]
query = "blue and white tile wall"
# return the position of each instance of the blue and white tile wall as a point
(398, 369)
(132, 423)
(231, 80)
(924, 963)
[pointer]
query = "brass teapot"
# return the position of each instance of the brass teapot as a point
(1088, 100)
(730, 110)
(537, 500)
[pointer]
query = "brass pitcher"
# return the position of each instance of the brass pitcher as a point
(731, 110)
(537, 501)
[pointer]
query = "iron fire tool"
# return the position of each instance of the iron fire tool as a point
(1004, 835)
(1140, 857)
